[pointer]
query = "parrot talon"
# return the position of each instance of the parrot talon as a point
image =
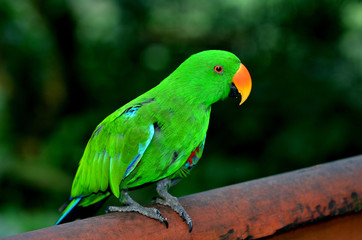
(171, 201)
(133, 206)
(165, 222)
(190, 226)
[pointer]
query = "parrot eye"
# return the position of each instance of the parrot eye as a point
(218, 69)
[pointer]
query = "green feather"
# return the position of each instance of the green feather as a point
(104, 172)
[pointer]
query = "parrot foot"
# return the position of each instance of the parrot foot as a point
(133, 206)
(171, 201)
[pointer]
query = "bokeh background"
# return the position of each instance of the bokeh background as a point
(66, 64)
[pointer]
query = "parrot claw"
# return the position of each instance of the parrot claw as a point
(171, 201)
(190, 226)
(149, 212)
(165, 222)
(132, 206)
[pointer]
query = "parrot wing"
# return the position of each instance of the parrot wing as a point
(113, 151)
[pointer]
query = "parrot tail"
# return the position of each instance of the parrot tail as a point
(82, 207)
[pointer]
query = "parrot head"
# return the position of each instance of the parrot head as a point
(212, 76)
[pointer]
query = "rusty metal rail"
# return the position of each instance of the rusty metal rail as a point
(311, 203)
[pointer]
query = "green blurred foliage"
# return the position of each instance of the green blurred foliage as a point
(66, 65)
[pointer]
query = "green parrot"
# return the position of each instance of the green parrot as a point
(157, 137)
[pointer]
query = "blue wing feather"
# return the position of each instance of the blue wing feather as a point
(68, 209)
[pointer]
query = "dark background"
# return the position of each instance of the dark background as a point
(66, 65)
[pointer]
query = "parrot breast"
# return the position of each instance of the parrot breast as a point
(176, 146)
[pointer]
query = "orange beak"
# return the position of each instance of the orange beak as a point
(242, 82)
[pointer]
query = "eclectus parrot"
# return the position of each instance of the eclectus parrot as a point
(157, 137)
